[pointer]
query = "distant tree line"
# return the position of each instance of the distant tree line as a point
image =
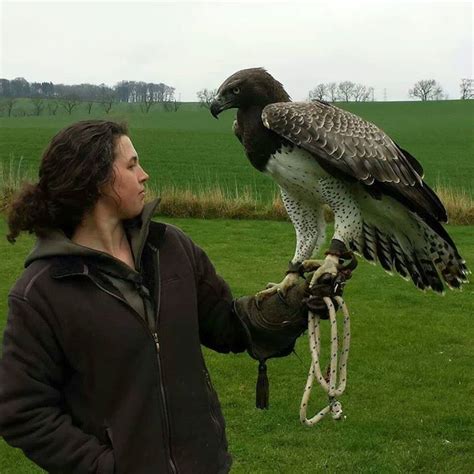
(123, 91)
(346, 91)
(52, 96)
(430, 89)
(132, 91)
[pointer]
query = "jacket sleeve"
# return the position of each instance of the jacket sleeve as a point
(31, 418)
(220, 328)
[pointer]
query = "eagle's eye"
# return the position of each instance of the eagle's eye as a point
(236, 90)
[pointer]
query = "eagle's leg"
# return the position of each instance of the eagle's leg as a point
(309, 223)
(339, 260)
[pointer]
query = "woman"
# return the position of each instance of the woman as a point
(102, 369)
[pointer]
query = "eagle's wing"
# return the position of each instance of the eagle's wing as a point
(344, 142)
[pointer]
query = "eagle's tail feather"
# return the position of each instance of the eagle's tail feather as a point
(416, 272)
(427, 261)
(384, 251)
(447, 260)
(368, 247)
(399, 259)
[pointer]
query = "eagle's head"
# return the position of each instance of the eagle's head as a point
(248, 87)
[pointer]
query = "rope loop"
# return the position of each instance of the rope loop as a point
(335, 384)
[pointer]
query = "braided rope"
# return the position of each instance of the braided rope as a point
(330, 388)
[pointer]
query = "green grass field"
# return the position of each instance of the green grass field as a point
(409, 397)
(189, 148)
(410, 390)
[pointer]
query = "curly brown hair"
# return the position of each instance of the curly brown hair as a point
(77, 162)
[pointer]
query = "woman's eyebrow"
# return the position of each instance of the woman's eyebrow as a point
(133, 159)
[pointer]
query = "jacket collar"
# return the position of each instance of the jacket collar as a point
(69, 266)
(138, 228)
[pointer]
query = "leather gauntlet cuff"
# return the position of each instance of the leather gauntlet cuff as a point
(270, 332)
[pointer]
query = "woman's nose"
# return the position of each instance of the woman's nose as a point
(145, 176)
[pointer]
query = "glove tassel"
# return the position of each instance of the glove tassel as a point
(263, 388)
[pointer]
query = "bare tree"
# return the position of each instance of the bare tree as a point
(346, 90)
(107, 104)
(362, 93)
(106, 98)
(320, 92)
(145, 106)
(89, 105)
(38, 105)
(168, 94)
(206, 96)
(152, 94)
(52, 107)
(467, 89)
(426, 89)
(9, 103)
(69, 103)
(332, 91)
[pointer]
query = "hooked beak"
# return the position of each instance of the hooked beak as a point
(218, 105)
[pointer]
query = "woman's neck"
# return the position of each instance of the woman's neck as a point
(104, 234)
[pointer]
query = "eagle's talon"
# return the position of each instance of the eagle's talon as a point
(338, 285)
(347, 263)
(311, 265)
(329, 266)
(280, 288)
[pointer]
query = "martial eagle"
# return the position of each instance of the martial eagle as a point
(320, 154)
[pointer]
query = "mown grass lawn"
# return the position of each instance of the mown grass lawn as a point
(408, 404)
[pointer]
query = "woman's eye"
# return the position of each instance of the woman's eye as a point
(236, 90)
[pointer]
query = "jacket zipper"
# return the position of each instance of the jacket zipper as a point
(163, 395)
(157, 347)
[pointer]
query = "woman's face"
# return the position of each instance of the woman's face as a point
(126, 195)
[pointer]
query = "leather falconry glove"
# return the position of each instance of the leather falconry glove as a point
(275, 324)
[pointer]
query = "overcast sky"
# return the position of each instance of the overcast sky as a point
(191, 45)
